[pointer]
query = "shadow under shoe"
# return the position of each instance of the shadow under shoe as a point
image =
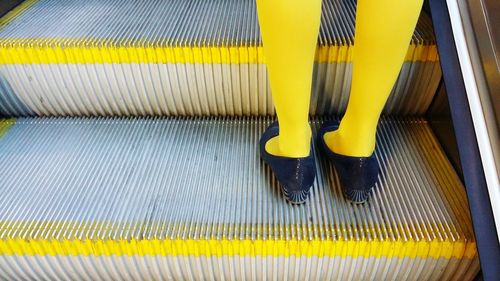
(295, 175)
(358, 175)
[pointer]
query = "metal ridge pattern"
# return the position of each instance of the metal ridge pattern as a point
(141, 178)
(176, 23)
(189, 89)
(179, 57)
(191, 189)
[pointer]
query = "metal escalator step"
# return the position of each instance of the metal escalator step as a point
(178, 57)
(177, 198)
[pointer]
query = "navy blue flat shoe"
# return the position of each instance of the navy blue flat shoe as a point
(358, 175)
(295, 175)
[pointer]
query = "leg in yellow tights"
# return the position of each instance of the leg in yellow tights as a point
(383, 32)
(289, 32)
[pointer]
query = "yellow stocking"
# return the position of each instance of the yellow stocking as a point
(289, 32)
(383, 33)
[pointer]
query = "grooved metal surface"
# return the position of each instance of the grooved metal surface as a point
(159, 178)
(171, 23)
(119, 188)
(187, 89)
(179, 57)
(176, 198)
(232, 268)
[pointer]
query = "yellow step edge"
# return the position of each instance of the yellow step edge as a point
(21, 8)
(32, 54)
(225, 247)
(5, 125)
(433, 248)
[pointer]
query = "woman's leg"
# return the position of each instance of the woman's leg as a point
(383, 32)
(290, 32)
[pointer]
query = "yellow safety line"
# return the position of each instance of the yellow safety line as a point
(434, 248)
(103, 50)
(225, 247)
(21, 8)
(5, 124)
(12, 53)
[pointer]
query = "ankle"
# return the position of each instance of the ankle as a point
(294, 145)
(355, 145)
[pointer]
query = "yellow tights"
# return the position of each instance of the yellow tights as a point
(289, 32)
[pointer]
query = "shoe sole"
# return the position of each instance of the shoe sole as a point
(358, 202)
(292, 202)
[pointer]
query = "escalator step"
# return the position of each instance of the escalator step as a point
(178, 57)
(172, 198)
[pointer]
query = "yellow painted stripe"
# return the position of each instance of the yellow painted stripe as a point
(462, 248)
(12, 53)
(213, 247)
(104, 50)
(21, 8)
(5, 124)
